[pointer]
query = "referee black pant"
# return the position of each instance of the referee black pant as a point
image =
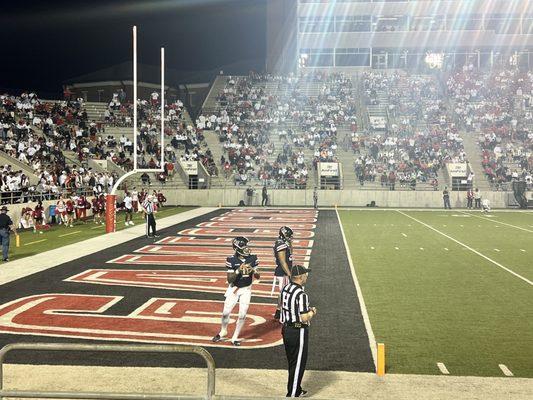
(296, 341)
(150, 224)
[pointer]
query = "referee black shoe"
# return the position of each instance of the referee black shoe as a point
(216, 338)
(236, 343)
(277, 314)
(303, 393)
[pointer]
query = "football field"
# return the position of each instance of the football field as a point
(447, 291)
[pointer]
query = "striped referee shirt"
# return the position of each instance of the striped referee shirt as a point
(294, 302)
(148, 206)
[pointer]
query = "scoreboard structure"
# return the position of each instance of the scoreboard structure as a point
(408, 34)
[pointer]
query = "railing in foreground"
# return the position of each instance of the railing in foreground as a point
(210, 393)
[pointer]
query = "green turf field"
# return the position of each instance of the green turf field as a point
(59, 235)
(430, 299)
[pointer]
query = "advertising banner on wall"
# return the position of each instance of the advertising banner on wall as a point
(189, 167)
(457, 169)
(328, 169)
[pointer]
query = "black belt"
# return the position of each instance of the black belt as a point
(295, 325)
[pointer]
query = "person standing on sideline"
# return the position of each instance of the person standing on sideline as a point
(477, 198)
(469, 198)
(315, 197)
(264, 194)
(296, 316)
(149, 209)
(249, 196)
(6, 226)
(128, 207)
(446, 198)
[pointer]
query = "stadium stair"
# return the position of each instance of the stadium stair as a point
(473, 152)
(210, 104)
(211, 138)
(6, 159)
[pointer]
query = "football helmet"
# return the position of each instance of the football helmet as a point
(286, 233)
(240, 245)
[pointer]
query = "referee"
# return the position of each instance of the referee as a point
(295, 316)
(149, 209)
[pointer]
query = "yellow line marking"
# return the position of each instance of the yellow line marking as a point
(70, 233)
(35, 241)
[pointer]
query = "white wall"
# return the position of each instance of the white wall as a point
(328, 198)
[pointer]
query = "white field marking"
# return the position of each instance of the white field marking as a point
(503, 223)
(497, 250)
(98, 227)
(372, 247)
(445, 226)
(364, 312)
(466, 247)
(404, 235)
(462, 226)
(165, 308)
(421, 248)
(408, 224)
(35, 241)
(443, 368)
(70, 233)
(446, 248)
(155, 248)
(506, 371)
(522, 250)
(397, 248)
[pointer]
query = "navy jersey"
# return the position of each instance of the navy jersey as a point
(234, 262)
(281, 245)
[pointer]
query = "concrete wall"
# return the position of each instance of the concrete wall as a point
(328, 198)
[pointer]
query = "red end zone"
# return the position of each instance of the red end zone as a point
(197, 281)
(201, 260)
(168, 249)
(172, 321)
(249, 233)
(226, 241)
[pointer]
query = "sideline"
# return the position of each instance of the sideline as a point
(40, 262)
(498, 222)
(469, 248)
(364, 312)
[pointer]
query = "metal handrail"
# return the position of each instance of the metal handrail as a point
(210, 393)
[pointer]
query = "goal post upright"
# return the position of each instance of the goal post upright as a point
(111, 200)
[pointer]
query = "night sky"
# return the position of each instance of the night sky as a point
(44, 43)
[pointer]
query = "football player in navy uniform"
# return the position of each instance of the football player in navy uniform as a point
(283, 256)
(242, 269)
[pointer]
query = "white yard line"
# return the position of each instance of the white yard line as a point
(497, 250)
(364, 312)
(443, 368)
(468, 248)
(404, 235)
(506, 371)
(522, 250)
(500, 222)
(397, 248)
(35, 241)
(70, 233)
(446, 248)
